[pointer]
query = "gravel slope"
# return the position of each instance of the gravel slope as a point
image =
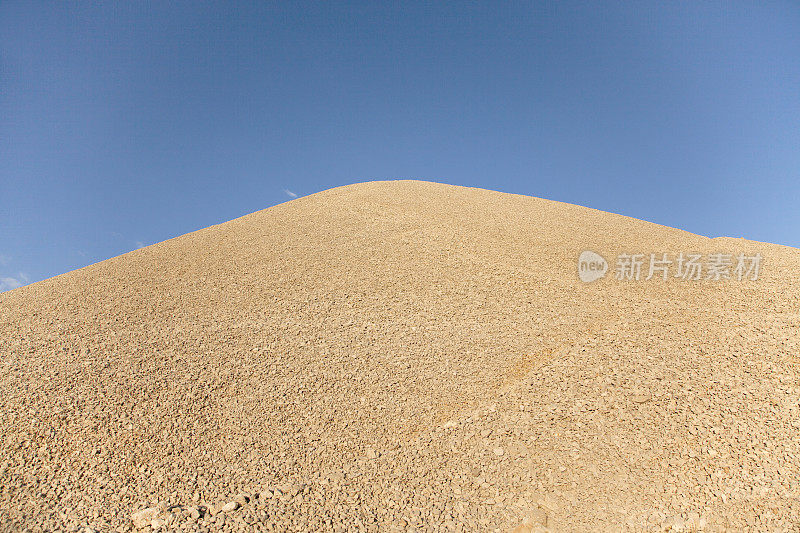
(397, 356)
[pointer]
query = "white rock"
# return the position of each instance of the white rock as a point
(144, 517)
(230, 506)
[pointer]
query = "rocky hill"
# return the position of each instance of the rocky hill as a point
(407, 356)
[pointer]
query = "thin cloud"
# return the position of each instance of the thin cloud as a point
(8, 283)
(290, 194)
(139, 244)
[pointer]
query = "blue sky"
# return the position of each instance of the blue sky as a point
(126, 123)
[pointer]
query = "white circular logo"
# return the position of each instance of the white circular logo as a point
(591, 266)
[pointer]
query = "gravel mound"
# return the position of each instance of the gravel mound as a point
(401, 356)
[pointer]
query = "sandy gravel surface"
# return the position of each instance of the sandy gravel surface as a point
(401, 356)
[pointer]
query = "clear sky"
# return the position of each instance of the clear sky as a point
(127, 123)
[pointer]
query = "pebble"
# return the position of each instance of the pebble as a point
(230, 506)
(144, 517)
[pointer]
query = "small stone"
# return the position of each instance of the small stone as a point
(157, 523)
(693, 521)
(230, 506)
(537, 517)
(498, 451)
(673, 523)
(144, 517)
(371, 454)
